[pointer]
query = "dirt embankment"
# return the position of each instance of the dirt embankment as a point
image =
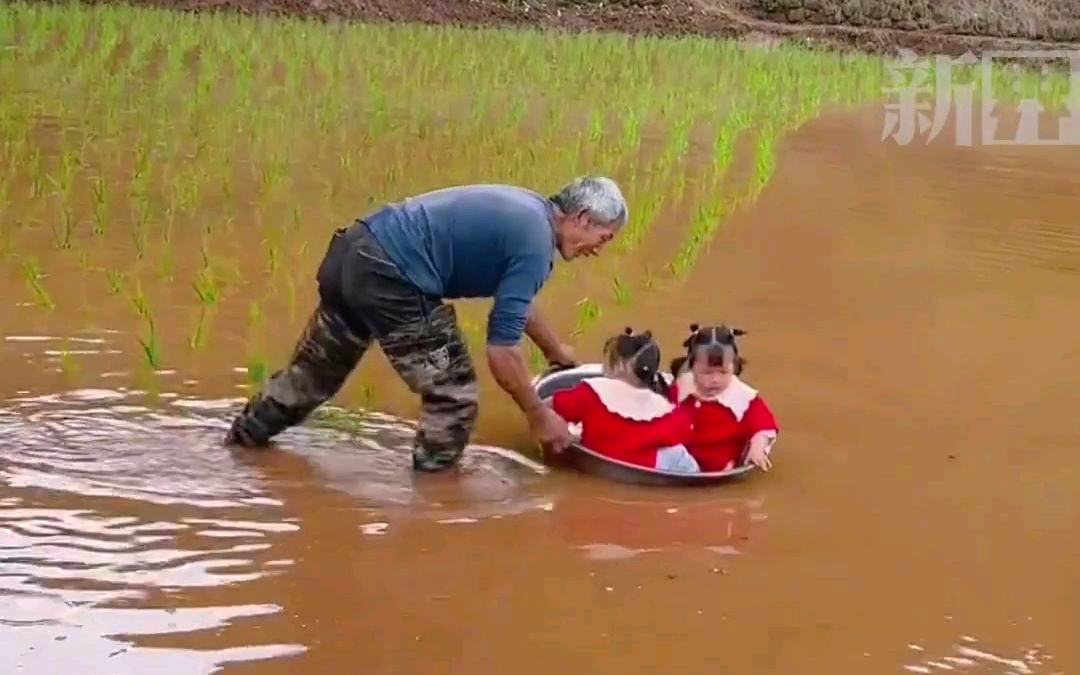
(1044, 20)
(882, 26)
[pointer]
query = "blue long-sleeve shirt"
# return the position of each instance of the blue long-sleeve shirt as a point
(474, 241)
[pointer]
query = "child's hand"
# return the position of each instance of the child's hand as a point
(759, 457)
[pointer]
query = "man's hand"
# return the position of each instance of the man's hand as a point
(542, 335)
(563, 358)
(550, 430)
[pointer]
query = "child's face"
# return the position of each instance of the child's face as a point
(711, 380)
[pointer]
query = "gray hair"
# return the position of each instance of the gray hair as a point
(598, 196)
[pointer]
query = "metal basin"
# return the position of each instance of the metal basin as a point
(585, 460)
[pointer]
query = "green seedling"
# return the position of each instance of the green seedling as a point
(116, 280)
(101, 206)
(167, 265)
(367, 395)
(258, 370)
(273, 256)
(255, 316)
(151, 346)
(621, 293)
(35, 280)
(64, 229)
(68, 365)
(140, 301)
(199, 335)
(588, 313)
(207, 288)
(537, 361)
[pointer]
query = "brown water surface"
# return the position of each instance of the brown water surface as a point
(912, 318)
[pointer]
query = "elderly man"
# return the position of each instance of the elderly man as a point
(385, 278)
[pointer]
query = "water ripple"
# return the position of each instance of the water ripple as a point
(121, 511)
(115, 519)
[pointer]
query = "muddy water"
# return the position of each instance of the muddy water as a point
(912, 321)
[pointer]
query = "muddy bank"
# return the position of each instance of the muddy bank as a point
(865, 25)
(1049, 20)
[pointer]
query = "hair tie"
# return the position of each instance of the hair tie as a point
(628, 331)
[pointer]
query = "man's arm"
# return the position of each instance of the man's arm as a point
(511, 372)
(509, 316)
(542, 334)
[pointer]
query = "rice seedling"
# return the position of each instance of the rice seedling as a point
(35, 280)
(201, 331)
(63, 230)
(167, 265)
(150, 345)
(207, 288)
(273, 256)
(68, 365)
(537, 362)
(255, 318)
(116, 280)
(254, 135)
(621, 292)
(140, 223)
(37, 182)
(4, 199)
(257, 369)
(588, 313)
(765, 160)
(367, 394)
(101, 205)
(140, 301)
(638, 228)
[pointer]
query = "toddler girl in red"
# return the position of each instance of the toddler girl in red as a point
(732, 424)
(627, 413)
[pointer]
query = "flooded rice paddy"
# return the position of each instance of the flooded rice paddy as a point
(911, 314)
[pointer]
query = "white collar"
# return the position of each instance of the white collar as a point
(626, 400)
(736, 397)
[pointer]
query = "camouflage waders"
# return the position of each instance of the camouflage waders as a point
(364, 297)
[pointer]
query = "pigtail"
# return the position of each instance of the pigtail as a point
(660, 385)
(689, 342)
(706, 338)
(677, 364)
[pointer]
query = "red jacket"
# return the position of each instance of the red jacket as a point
(723, 424)
(622, 421)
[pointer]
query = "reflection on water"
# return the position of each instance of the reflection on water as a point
(606, 528)
(97, 442)
(115, 517)
(970, 657)
(368, 457)
(118, 515)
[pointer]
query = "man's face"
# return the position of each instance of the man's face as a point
(580, 236)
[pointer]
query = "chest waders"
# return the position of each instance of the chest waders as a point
(363, 297)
